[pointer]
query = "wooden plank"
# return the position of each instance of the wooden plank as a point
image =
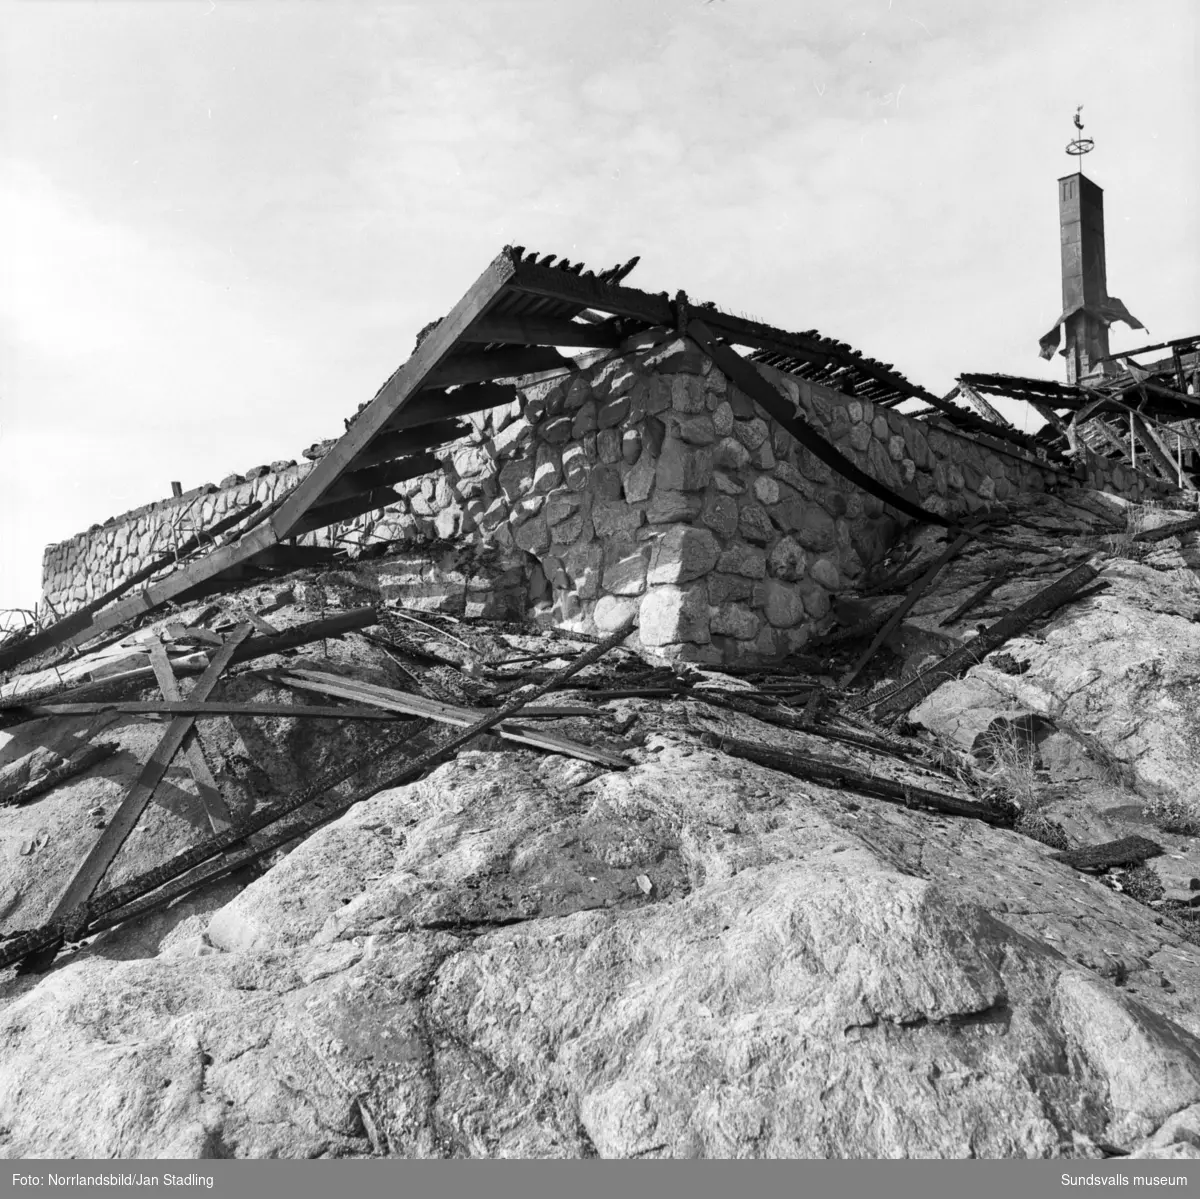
(658, 310)
(919, 588)
(42, 942)
(485, 366)
(305, 634)
(414, 705)
(179, 632)
(1102, 427)
(387, 446)
(1168, 393)
(534, 330)
(215, 807)
(592, 293)
(394, 394)
(255, 647)
(906, 695)
(1163, 532)
(845, 777)
(81, 888)
(57, 775)
(360, 482)
(974, 598)
(432, 404)
(982, 406)
(1161, 455)
(1126, 851)
(1066, 431)
(320, 517)
(188, 707)
(295, 557)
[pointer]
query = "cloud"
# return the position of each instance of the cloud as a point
(196, 292)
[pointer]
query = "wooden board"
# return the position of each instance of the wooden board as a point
(387, 446)
(189, 707)
(360, 482)
(487, 365)
(413, 705)
(436, 403)
(533, 330)
(215, 807)
(81, 888)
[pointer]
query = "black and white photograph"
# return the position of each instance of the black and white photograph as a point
(599, 579)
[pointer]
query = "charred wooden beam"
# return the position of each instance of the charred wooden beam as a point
(1191, 525)
(95, 865)
(93, 755)
(919, 588)
(187, 707)
(415, 705)
(901, 698)
(433, 404)
(319, 517)
(1161, 455)
(388, 446)
(296, 557)
(487, 365)
(542, 331)
(1127, 851)
(87, 917)
(361, 482)
(250, 649)
(780, 408)
(215, 807)
(974, 598)
(830, 774)
(982, 406)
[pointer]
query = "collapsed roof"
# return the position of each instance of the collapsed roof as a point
(511, 324)
(1146, 416)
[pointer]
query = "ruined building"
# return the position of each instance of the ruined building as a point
(718, 477)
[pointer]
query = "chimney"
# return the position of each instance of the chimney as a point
(1084, 283)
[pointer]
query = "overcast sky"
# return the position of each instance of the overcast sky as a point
(222, 224)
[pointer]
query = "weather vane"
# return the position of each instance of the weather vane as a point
(1081, 144)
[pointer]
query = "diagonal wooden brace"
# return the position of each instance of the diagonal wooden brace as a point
(215, 807)
(81, 888)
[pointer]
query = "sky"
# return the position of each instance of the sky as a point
(222, 224)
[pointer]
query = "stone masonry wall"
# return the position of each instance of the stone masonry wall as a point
(645, 482)
(649, 483)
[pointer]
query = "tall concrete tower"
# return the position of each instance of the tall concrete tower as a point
(1084, 280)
(1087, 308)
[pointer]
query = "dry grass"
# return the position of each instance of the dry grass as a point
(1011, 782)
(1009, 773)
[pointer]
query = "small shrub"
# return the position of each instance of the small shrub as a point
(1173, 815)
(1039, 827)
(1143, 884)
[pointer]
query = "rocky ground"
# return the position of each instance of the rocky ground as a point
(524, 954)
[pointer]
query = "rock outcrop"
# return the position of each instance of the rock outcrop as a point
(525, 955)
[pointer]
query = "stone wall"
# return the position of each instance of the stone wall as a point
(650, 484)
(89, 564)
(643, 483)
